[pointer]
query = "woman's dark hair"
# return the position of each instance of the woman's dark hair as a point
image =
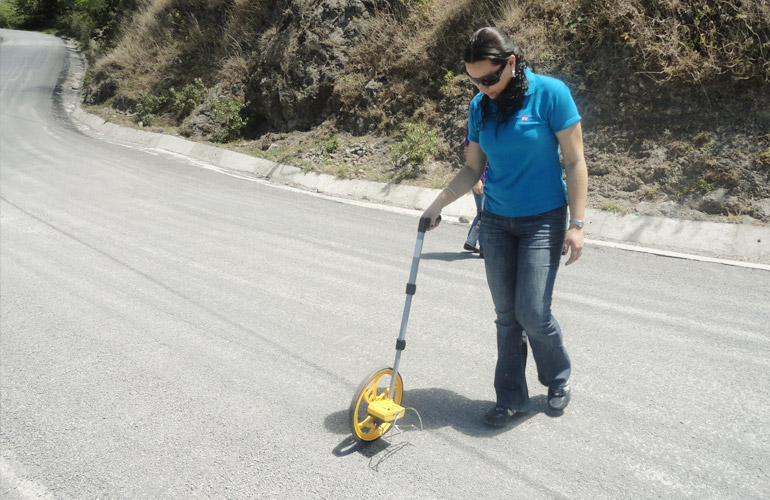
(495, 45)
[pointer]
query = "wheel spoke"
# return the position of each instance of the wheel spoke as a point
(368, 422)
(370, 394)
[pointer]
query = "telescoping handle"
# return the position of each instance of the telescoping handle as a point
(411, 288)
(425, 224)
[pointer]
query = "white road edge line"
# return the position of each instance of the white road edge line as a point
(677, 255)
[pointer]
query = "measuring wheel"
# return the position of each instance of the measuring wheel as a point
(373, 411)
(377, 403)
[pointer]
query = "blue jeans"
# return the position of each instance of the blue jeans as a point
(521, 255)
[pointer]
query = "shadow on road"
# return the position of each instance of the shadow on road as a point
(450, 256)
(438, 408)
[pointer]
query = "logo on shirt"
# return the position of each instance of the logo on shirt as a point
(524, 118)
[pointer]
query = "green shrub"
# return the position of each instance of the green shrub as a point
(448, 78)
(80, 25)
(148, 106)
(187, 99)
(227, 112)
(705, 185)
(418, 144)
(88, 78)
(331, 145)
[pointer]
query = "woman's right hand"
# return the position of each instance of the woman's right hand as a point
(433, 214)
(479, 188)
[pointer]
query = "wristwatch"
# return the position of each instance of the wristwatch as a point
(578, 223)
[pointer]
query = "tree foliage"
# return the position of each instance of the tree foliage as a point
(36, 13)
(83, 19)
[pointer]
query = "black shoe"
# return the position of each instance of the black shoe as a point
(558, 397)
(498, 416)
(470, 248)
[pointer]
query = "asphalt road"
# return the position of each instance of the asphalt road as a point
(171, 332)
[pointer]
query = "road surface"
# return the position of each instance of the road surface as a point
(171, 332)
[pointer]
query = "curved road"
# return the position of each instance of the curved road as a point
(172, 332)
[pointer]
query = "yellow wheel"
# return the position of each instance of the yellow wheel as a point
(375, 387)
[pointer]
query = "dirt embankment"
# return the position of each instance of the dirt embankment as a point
(374, 89)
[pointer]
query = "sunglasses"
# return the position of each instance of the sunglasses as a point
(490, 79)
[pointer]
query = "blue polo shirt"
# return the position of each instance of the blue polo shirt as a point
(525, 175)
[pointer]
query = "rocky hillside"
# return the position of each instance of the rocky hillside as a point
(674, 93)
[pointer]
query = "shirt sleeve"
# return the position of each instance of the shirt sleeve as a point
(564, 112)
(474, 117)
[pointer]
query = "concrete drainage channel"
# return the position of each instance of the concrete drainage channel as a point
(732, 244)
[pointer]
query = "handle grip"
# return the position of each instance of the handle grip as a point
(425, 224)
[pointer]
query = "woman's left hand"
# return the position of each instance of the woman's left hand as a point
(573, 243)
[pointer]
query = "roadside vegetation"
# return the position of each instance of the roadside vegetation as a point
(669, 90)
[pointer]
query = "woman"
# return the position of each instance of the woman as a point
(519, 122)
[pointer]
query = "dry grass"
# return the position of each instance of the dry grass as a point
(416, 44)
(246, 21)
(685, 40)
(235, 70)
(171, 42)
(137, 48)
